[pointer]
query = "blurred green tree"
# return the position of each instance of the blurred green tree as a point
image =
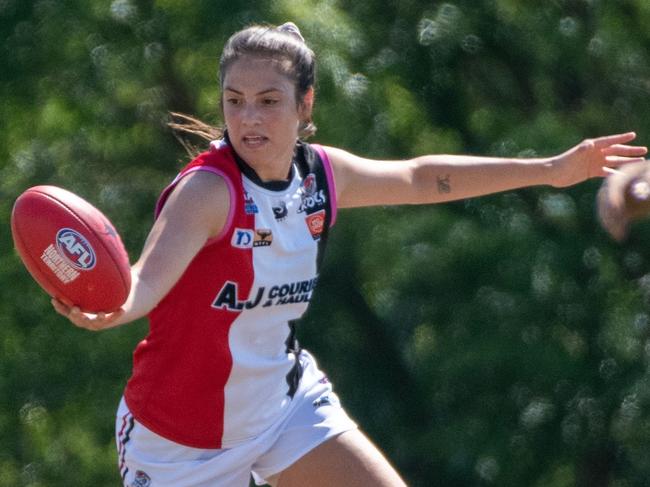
(498, 341)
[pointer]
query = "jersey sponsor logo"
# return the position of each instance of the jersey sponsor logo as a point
(312, 198)
(249, 204)
(277, 295)
(280, 211)
(75, 249)
(316, 223)
(263, 237)
(242, 238)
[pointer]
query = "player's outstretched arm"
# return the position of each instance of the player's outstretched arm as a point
(441, 178)
(195, 211)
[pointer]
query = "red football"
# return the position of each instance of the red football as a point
(71, 249)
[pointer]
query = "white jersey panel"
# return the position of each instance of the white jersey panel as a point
(285, 274)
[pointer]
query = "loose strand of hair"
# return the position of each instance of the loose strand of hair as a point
(185, 126)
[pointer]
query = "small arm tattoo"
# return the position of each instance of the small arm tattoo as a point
(444, 184)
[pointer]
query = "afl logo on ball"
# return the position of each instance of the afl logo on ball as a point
(75, 249)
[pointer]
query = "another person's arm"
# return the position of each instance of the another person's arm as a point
(624, 197)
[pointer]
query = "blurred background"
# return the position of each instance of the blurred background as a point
(502, 341)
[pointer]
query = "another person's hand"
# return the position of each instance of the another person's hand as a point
(624, 197)
(591, 157)
(89, 321)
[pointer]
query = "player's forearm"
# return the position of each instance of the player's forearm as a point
(142, 299)
(447, 178)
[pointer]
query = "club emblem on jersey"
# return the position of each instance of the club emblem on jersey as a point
(316, 223)
(312, 198)
(249, 204)
(263, 237)
(280, 211)
(309, 185)
(141, 479)
(242, 238)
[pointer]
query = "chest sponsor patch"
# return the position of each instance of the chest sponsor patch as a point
(277, 295)
(242, 238)
(245, 238)
(316, 223)
(263, 237)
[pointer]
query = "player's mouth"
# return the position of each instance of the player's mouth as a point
(254, 141)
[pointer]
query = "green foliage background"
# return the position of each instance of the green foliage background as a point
(497, 341)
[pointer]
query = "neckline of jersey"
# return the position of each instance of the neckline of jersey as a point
(251, 174)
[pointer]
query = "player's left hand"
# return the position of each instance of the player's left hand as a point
(591, 157)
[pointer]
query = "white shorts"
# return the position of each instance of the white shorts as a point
(148, 460)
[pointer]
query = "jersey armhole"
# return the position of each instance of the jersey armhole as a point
(331, 183)
(231, 191)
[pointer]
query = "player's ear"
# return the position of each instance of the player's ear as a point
(306, 105)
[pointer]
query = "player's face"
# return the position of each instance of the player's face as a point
(261, 114)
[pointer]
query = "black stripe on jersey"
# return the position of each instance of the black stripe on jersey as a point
(308, 161)
(295, 374)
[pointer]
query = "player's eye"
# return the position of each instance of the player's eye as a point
(270, 101)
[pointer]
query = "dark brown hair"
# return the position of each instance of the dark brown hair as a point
(284, 44)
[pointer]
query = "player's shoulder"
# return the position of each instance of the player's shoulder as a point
(219, 156)
(202, 187)
(201, 199)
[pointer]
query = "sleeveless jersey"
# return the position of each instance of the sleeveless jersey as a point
(219, 364)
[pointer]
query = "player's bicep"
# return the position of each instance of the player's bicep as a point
(196, 211)
(367, 182)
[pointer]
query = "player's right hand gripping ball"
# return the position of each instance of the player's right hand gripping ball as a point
(624, 197)
(71, 249)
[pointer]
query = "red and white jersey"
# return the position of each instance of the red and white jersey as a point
(218, 365)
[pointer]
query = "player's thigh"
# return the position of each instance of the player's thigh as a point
(347, 460)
